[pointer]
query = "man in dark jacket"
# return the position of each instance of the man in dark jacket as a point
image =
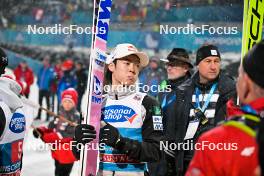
(200, 104)
(178, 67)
(240, 131)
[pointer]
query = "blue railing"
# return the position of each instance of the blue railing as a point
(147, 40)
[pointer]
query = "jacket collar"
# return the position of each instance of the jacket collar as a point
(234, 110)
(258, 105)
(206, 86)
(175, 83)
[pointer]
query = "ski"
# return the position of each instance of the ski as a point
(90, 155)
(252, 24)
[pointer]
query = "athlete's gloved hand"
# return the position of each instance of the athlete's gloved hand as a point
(84, 133)
(36, 133)
(110, 136)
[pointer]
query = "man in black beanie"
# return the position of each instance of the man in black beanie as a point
(240, 130)
(200, 104)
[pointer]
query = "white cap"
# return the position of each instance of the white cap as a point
(126, 49)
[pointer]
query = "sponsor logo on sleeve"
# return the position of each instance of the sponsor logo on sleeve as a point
(17, 123)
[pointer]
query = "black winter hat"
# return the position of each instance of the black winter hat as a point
(206, 51)
(3, 61)
(179, 54)
(253, 63)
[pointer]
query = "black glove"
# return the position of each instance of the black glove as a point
(110, 136)
(84, 133)
(36, 133)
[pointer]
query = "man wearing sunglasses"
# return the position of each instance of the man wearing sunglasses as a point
(178, 66)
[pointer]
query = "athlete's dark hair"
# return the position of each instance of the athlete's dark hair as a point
(108, 75)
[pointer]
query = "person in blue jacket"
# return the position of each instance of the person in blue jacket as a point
(45, 76)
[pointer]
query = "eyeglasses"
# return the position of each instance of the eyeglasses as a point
(175, 64)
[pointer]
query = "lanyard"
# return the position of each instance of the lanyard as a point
(248, 109)
(165, 102)
(197, 93)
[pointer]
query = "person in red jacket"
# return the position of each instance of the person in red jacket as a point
(61, 133)
(24, 74)
(231, 148)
